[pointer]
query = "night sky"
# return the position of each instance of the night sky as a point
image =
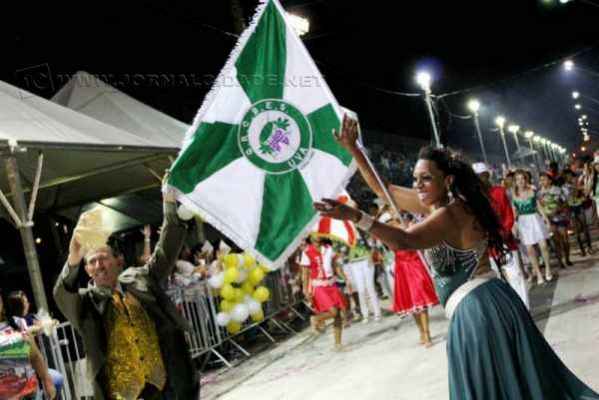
(503, 49)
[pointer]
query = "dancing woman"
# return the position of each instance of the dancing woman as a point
(414, 291)
(327, 301)
(495, 350)
(531, 227)
(552, 202)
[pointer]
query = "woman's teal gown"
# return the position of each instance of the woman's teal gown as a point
(495, 351)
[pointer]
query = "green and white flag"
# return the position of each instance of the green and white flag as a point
(261, 147)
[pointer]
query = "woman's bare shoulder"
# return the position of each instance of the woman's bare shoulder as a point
(468, 230)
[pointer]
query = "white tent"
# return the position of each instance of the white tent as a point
(91, 96)
(85, 160)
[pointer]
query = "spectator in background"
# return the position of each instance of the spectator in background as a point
(20, 319)
(593, 183)
(575, 196)
(553, 206)
(21, 368)
(554, 174)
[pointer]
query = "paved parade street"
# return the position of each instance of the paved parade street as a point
(384, 360)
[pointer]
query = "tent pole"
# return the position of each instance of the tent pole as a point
(26, 231)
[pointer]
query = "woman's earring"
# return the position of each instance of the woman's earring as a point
(450, 195)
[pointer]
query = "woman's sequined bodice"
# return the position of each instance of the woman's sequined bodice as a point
(451, 267)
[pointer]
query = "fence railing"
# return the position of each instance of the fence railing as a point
(199, 305)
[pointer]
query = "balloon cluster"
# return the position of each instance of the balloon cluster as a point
(242, 297)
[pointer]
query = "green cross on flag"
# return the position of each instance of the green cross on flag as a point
(261, 148)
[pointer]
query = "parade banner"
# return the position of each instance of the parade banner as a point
(261, 149)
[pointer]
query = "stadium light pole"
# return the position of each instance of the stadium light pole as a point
(474, 106)
(500, 122)
(423, 79)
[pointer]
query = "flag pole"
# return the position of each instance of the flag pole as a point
(386, 193)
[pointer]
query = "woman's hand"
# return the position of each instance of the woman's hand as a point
(334, 209)
(348, 137)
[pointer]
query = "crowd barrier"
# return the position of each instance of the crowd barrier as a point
(198, 303)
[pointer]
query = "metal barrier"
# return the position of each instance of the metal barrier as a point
(64, 352)
(199, 305)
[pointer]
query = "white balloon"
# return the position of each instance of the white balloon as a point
(222, 319)
(242, 276)
(217, 281)
(240, 313)
(241, 261)
(254, 306)
(184, 213)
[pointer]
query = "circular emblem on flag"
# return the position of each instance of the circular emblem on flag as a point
(275, 136)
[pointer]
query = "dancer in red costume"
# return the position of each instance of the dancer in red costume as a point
(512, 269)
(327, 300)
(414, 291)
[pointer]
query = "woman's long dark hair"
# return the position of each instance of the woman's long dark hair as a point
(468, 187)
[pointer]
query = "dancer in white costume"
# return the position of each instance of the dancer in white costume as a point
(531, 228)
(362, 275)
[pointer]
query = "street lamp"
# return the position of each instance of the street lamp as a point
(424, 79)
(568, 64)
(514, 129)
(537, 141)
(500, 122)
(545, 145)
(575, 95)
(554, 148)
(299, 24)
(577, 106)
(528, 135)
(474, 106)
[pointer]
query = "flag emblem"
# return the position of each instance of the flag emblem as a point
(275, 136)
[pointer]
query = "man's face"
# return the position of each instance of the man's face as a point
(485, 177)
(103, 267)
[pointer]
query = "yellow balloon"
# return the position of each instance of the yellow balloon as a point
(259, 316)
(230, 260)
(264, 268)
(233, 327)
(247, 287)
(231, 274)
(248, 260)
(227, 292)
(261, 294)
(239, 295)
(226, 306)
(256, 276)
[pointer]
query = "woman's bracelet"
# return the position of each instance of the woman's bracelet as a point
(366, 221)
